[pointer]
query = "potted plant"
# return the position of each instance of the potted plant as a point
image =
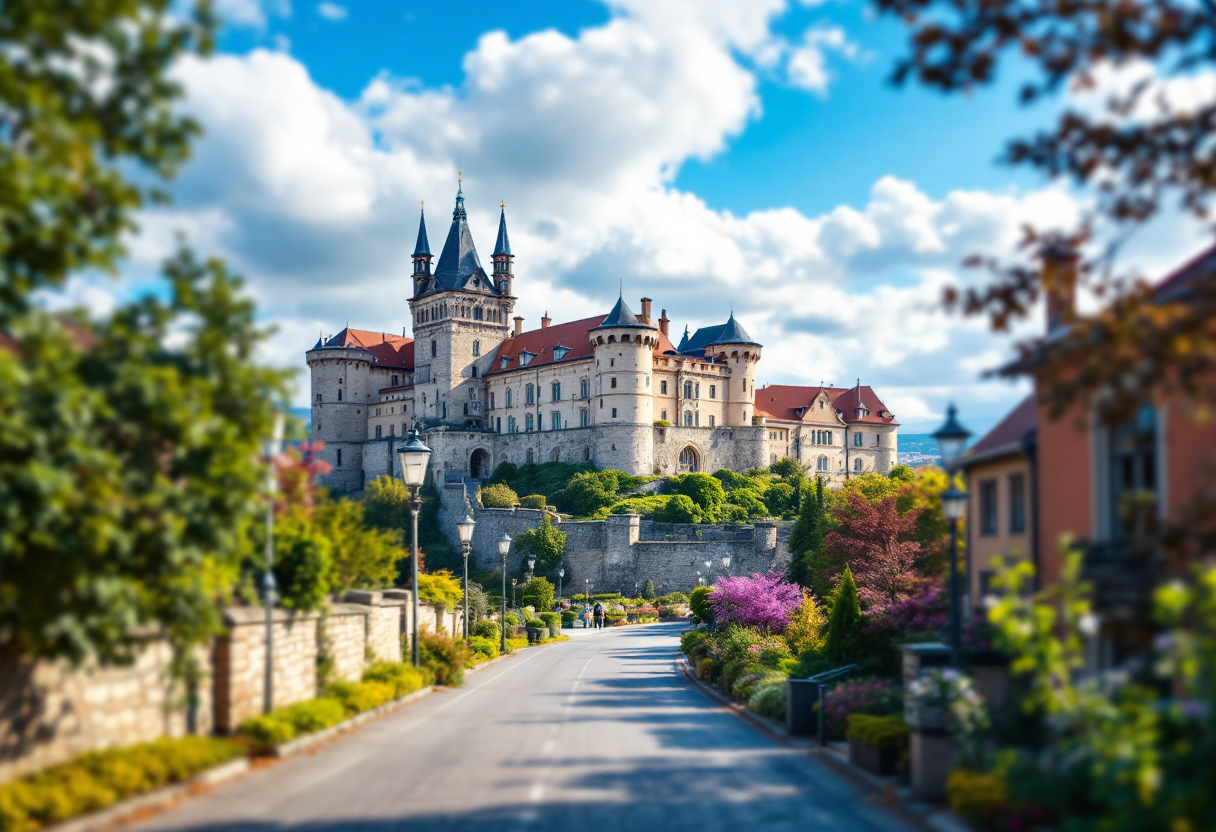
(927, 703)
(877, 743)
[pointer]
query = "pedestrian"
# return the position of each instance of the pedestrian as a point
(599, 615)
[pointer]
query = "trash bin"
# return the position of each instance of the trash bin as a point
(801, 696)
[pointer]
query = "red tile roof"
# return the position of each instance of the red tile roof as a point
(574, 335)
(1007, 437)
(393, 351)
(788, 403)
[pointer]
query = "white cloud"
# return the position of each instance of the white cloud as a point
(252, 14)
(807, 67)
(332, 11)
(315, 200)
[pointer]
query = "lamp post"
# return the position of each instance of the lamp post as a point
(709, 571)
(531, 569)
(504, 546)
(414, 457)
(587, 581)
(270, 450)
(561, 573)
(465, 529)
(726, 565)
(952, 441)
(514, 581)
(700, 580)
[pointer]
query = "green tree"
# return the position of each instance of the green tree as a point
(303, 565)
(441, 587)
(386, 504)
(678, 509)
(546, 543)
(702, 489)
(648, 590)
(363, 557)
(810, 563)
(844, 622)
(497, 495)
(698, 603)
(588, 492)
(790, 470)
(538, 593)
(781, 499)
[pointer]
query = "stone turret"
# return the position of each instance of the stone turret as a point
(624, 407)
(741, 353)
(342, 386)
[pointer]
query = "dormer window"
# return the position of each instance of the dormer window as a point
(559, 352)
(503, 362)
(525, 358)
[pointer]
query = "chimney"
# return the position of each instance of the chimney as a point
(519, 326)
(545, 321)
(645, 316)
(1060, 283)
(664, 322)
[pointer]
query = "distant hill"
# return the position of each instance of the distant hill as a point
(304, 414)
(918, 449)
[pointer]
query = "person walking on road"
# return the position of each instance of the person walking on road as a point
(599, 615)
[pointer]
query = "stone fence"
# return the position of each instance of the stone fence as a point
(51, 711)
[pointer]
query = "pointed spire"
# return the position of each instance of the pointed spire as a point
(621, 315)
(733, 333)
(458, 213)
(503, 246)
(684, 341)
(422, 248)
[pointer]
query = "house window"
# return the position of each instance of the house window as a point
(821, 464)
(529, 394)
(377, 411)
(339, 465)
(614, 413)
(434, 348)
(557, 421)
(584, 418)
(339, 395)
(394, 381)
(510, 396)
(687, 418)
(688, 389)
(584, 388)
(557, 391)
(1133, 471)
(713, 391)
(510, 424)
(612, 382)
(491, 400)
(529, 423)
(378, 431)
(711, 421)
(988, 508)
(1017, 503)
(476, 348)
(663, 416)
(856, 440)
(663, 387)
(857, 465)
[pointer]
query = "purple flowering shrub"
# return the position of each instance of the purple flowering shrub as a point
(859, 696)
(925, 612)
(762, 602)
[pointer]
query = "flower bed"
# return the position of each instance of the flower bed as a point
(876, 743)
(100, 779)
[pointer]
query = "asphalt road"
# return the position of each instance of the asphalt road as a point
(599, 733)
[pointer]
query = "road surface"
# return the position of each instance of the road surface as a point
(601, 733)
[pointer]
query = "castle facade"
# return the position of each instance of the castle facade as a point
(611, 389)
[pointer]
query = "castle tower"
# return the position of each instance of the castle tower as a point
(342, 387)
(741, 353)
(504, 278)
(460, 315)
(624, 410)
(422, 255)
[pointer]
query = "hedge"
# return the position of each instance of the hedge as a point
(886, 732)
(978, 798)
(100, 779)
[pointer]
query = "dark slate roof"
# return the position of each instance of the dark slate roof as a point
(459, 268)
(423, 246)
(503, 246)
(622, 315)
(733, 333)
(1009, 437)
(683, 341)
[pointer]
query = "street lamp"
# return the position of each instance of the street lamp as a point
(514, 581)
(952, 441)
(465, 529)
(270, 450)
(504, 546)
(700, 580)
(561, 573)
(588, 582)
(413, 456)
(531, 567)
(726, 565)
(709, 571)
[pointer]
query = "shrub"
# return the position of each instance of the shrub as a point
(673, 598)
(708, 669)
(678, 509)
(538, 594)
(844, 623)
(866, 696)
(444, 656)
(533, 501)
(483, 648)
(976, 797)
(753, 681)
(498, 495)
(662, 423)
(691, 638)
(485, 628)
(886, 732)
(698, 602)
(768, 699)
(403, 678)
(781, 500)
(553, 621)
(514, 644)
(764, 602)
(512, 620)
(537, 624)
(703, 490)
(588, 492)
(315, 714)
(267, 730)
(806, 632)
(568, 618)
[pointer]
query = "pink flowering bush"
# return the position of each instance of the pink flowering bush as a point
(860, 696)
(926, 612)
(762, 602)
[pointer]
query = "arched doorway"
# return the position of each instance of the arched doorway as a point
(479, 465)
(690, 461)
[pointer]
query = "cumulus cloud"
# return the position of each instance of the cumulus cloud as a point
(332, 11)
(315, 199)
(252, 14)
(807, 67)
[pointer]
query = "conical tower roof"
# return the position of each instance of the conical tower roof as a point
(503, 245)
(734, 333)
(459, 268)
(622, 315)
(423, 246)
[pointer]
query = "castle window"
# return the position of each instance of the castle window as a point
(339, 381)
(529, 423)
(698, 389)
(378, 431)
(318, 398)
(434, 348)
(510, 396)
(557, 421)
(648, 380)
(821, 464)
(339, 395)
(491, 400)
(856, 440)
(663, 416)
(445, 410)
(697, 418)
(529, 458)
(857, 465)
(688, 389)
(584, 418)
(613, 384)
(711, 421)
(584, 388)
(403, 430)
(586, 454)
(510, 424)
(529, 394)
(663, 387)
(687, 418)
(474, 371)
(614, 413)
(394, 381)
(339, 464)
(877, 439)
(557, 391)
(498, 423)
(611, 362)
(476, 348)
(377, 411)
(713, 391)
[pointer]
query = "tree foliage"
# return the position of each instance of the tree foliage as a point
(441, 587)
(386, 504)
(702, 489)
(807, 630)
(698, 602)
(762, 602)
(678, 508)
(363, 557)
(810, 565)
(546, 543)
(497, 495)
(538, 594)
(877, 543)
(844, 622)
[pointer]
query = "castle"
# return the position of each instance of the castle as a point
(611, 389)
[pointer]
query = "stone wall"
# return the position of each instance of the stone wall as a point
(240, 663)
(51, 712)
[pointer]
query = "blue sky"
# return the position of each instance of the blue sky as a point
(711, 154)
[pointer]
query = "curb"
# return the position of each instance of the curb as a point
(153, 801)
(301, 744)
